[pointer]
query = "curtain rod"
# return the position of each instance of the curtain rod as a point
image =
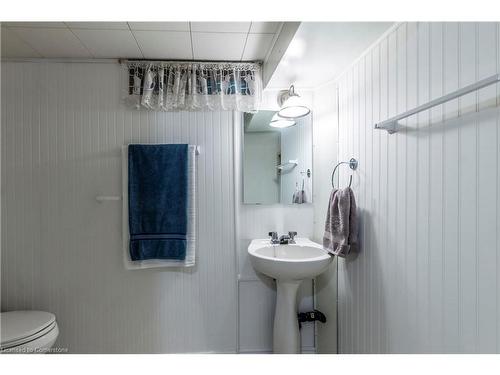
(191, 61)
(59, 60)
(115, 61)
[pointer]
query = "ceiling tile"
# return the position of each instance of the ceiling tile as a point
(257, 46)
(218, 46)
(52, 42)
(13, 46)
(161, 26)
(109, 43)
(164, 44)
(98, 25)
(220, 27)
(51, 25)
(265, 27)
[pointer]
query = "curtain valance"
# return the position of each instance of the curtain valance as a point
(174, 85)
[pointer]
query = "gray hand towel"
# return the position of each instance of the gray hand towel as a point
(341, 229)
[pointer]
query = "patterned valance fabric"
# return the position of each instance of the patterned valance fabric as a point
(193, 86)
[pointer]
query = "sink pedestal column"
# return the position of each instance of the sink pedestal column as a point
(286, 337)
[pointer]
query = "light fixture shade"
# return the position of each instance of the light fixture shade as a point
(293, 106)
(279, 122)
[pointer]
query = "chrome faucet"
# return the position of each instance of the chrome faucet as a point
(288, 238)
(284, 239)
(274, 238)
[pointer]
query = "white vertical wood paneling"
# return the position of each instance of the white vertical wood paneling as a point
(426, 278)
(62, 129)
(468, 191)
(436, 89)
(386, 217)
(411, 243)
(422, 187)
(371, 215)
(325, 143)
(368, 181)
(487, 167)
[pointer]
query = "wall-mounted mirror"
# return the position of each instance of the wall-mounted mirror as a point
(277, 162)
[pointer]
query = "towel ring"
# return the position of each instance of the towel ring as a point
(353, 164)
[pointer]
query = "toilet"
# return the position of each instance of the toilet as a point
(27, 331)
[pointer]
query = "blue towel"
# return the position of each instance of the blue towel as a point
(157, 199)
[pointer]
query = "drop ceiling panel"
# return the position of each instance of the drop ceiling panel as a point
(13, 46)
(218, 46)
(153, 40)
(164, 44)
(109, 43)
(265, 27)
(161, 26)
(98, 25)
(52, 42)
(52, 25)
(257, 46)
(220, 27)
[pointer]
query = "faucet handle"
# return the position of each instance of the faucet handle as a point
(292, 236)
(274, 237)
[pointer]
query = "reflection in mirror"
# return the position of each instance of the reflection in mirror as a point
(277, 162)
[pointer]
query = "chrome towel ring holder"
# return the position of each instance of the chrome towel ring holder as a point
(353, 164)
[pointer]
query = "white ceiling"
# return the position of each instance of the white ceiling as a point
(321, 51)
(245, 41)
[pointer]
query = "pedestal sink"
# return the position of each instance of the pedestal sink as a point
(289, 264)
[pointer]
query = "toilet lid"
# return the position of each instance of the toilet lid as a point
(17, 326)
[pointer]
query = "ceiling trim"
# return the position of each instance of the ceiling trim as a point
(285, 36)
(68, 60)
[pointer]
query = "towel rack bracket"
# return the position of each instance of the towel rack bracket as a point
(353, 164)
(391, 127)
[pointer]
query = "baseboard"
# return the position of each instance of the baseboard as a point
(255, 351)
(305, 350)
(212, 352)
(309, 350)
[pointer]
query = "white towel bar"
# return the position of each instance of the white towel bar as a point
(103, 198)
(391, 125)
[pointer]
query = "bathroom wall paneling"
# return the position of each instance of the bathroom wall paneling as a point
(426, 279)
(63, 125)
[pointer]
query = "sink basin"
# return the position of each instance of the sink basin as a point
(302, 260)
(289, 265)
